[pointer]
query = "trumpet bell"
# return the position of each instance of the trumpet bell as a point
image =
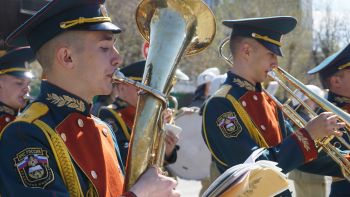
(204, 32)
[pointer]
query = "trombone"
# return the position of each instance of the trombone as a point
(283, 77)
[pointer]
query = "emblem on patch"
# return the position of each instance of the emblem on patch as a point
(229, 125)
(33, 167)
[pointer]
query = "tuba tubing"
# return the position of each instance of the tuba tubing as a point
(172, 28)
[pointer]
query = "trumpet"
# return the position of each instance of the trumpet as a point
(283, 77)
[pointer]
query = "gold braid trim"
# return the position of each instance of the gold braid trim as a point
(91, 191)
(4, 71)
(64, 162)
(207, 141)
(122, 123)
(267, 39)
(82, 20)
(344, 66)
(253, 131)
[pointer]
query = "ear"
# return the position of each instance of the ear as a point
(64, 57)
(246, 50)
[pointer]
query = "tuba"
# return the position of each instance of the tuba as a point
(172, 27)
(284, 79)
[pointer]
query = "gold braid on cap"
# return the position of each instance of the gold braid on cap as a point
(4, 71)
(344, 66)
(267, 39)
(82, 20)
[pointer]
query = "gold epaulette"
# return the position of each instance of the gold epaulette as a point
(34, 111)
(223, 91)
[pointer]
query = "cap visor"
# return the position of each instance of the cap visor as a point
(28, 75)
(106, 26)
(273, 48)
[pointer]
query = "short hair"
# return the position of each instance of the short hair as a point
(235, 42)
(46, 54)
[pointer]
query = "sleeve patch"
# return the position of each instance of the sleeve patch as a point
(33, 167)
(306, 143)
(303, 140)
(229, 125)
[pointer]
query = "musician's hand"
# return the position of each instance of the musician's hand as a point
(324, 125)
(153, 184)
(168, 115)
(170, 143)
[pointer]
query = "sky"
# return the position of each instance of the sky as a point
(338, 5)
(340, 9)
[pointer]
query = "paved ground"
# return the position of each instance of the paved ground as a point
(188, 188)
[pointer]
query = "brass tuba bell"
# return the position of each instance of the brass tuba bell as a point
(172, 27)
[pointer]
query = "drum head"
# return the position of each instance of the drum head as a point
(193, 157)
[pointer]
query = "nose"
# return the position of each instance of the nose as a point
(26, 86)
(117, 58)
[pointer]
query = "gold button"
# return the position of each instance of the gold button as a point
(80, 122)
(255, 97)
(263, 127)
(244, 103)
(64, 137)
(93, 174)
(7, 119)
(104, 131)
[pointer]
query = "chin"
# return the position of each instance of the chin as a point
(20, 102)
(18, 106)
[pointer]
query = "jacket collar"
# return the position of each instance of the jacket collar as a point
(62, 101)
(238, 81)
(5, 109)
(338, 100)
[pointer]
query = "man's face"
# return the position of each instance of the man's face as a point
(340, 83)
(13, 90)
(96, 62)
(127, 93)
(261, 61)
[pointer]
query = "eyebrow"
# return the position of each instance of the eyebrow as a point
(108, 37)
